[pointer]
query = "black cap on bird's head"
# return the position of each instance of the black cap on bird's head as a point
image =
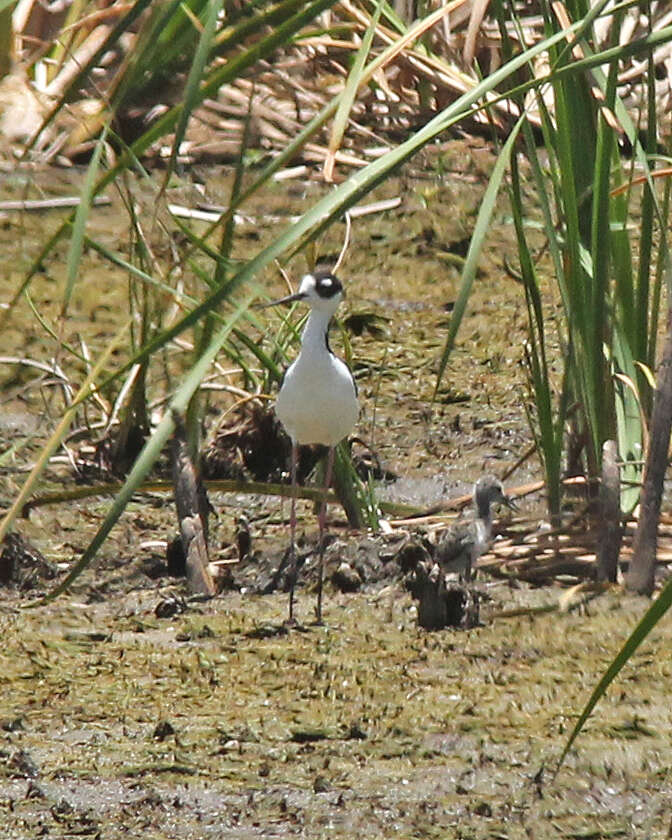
(326, 284)
(320, 290)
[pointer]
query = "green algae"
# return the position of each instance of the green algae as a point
(417, 732)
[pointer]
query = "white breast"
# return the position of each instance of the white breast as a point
(317, 402)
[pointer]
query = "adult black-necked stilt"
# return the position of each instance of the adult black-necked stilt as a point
(460, 546)
(317, 401)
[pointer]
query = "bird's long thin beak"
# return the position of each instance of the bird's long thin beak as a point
(510, 503)
(288, 299)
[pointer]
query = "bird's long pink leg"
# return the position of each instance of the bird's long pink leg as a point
(322, 518)
(292, 531)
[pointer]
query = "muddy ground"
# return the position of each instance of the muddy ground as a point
(129, 710)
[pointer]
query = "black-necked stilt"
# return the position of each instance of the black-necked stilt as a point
(460, 546)
(317, 402)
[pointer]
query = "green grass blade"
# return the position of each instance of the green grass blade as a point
(6, 36)
(323, 212)
(651, 617)
(231, 70)
(335, 203)
(349, 93)
(79, 225)
(165, 124)
(661, 269)
(547, 431)
(289, 152)
(629, 427)
(124, 25)
(152, 448)
(270, 366)
(226, 246)
(196, 72)
(647, 330)
(36, 267)
(481, 228)
(59, 433)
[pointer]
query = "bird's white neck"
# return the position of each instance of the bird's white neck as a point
(483, 517)
(483, 527)
(314, 338)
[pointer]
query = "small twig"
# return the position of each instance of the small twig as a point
(346, 241)
(35, 204)
(375, 207)
(293, 172)
(121, 397)
(20, 360)
(285, 276)
(221, 485)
